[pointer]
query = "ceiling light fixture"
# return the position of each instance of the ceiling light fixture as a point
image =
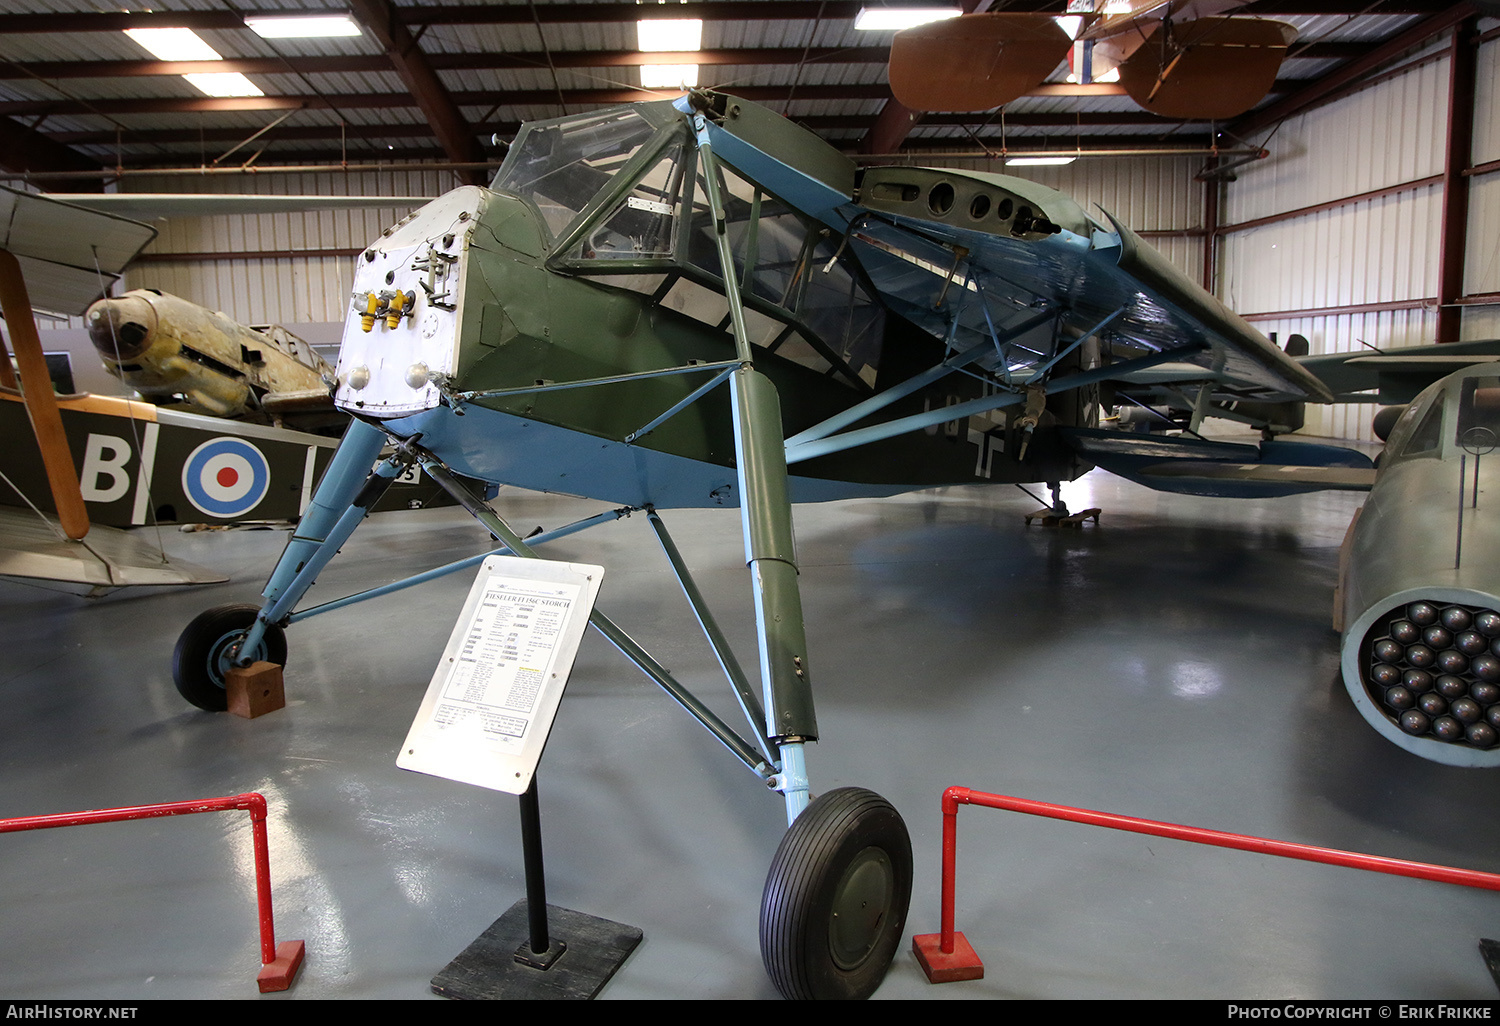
(677, 35)
(669, 35)
(301, 26)
(174, 44)
(1040, 161)
(225, 83)
(669, 76)
(180, 44)
(890, 19)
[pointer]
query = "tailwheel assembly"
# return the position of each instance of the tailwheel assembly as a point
(210, 646)
(834, 907)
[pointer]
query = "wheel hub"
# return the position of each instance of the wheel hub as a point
(225, 656)
(860, 906)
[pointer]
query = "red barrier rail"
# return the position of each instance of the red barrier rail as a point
(947, 956)
(279, 963)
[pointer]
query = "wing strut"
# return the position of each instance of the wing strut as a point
(983, 404)
(41, 406)
(861, 410)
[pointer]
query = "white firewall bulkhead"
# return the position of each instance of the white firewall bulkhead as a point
(401, 335)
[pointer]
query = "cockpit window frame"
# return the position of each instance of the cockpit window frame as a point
(675, 131)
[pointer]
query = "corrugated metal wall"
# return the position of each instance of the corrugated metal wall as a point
(1482, 259)
(1381, 250)
(298, 267)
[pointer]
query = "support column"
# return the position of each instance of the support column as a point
(1462, 59)
(1211, 191)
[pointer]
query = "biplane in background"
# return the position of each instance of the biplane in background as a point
(1176, 58)
(100, 464)
(696, 303)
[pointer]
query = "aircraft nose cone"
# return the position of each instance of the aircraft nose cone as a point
(121, 328)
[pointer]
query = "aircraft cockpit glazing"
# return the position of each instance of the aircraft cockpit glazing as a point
(1474, 425)
(623, 197)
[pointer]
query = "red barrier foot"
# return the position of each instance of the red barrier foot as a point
(962, 964)
(279, 973)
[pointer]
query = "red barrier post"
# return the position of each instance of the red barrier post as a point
(947, 956)
(279, 963)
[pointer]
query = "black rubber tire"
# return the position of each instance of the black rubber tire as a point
(849, 846)
(208, 647)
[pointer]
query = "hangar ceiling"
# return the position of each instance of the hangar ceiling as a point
(427, 82)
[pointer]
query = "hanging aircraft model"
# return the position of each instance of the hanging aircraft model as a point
(695, 303)
(1176, 58)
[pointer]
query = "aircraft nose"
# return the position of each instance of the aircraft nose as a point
(121, 328)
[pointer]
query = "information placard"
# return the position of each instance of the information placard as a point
(491, 702)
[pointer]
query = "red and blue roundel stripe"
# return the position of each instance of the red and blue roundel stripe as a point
(226, 477)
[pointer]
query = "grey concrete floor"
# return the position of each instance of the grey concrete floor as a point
(1175, 663)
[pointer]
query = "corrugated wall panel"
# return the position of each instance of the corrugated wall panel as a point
(1376, 251)
(1370, 252)
(282, 286)
(1482, 322)
(1482, 257)
(1378, 137)
(1487, 104)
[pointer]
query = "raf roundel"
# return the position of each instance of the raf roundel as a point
(226, 477)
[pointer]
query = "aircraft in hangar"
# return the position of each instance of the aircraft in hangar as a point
(696, 303)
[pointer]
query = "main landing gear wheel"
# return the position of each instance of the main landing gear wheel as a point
(834, 907)
(210, 646)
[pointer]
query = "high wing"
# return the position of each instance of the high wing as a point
(1019, 283)
(970, 256)
(1098, 280)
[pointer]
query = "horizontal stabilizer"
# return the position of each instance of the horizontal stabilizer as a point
(1395, 376)
(1349, 479)
(1201, 466)
(107, 558)
(975, 62)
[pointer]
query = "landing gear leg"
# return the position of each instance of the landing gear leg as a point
(1057, 513)
(230, 636)
(835, 901)
(834, 905)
